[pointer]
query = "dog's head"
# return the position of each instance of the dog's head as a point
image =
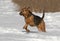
(24, 11)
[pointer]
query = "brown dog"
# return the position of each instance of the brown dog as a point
(32, 20)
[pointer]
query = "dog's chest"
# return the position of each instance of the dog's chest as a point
(30, 21)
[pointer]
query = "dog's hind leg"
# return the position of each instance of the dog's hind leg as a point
(41, 26)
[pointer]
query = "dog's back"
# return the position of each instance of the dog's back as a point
(38, 19)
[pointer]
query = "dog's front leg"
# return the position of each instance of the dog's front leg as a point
(25, 27)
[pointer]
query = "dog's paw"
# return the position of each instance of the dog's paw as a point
(27, 30)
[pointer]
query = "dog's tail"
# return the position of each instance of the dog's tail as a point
(43, 13)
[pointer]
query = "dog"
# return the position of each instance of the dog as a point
(32, 20)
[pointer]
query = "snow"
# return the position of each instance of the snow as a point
(11, 25)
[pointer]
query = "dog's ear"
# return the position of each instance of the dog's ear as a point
(28, 7)
(24, 7)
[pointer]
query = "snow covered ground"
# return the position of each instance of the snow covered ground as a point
(11, 25)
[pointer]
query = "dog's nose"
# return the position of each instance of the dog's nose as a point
(20, 13)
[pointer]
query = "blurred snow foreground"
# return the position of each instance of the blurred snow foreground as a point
(11, 25)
